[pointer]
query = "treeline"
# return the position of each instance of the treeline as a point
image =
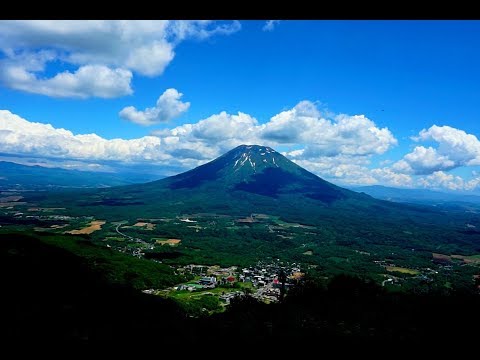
(350, 310)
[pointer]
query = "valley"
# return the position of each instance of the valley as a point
(211, 239)
(222, 236)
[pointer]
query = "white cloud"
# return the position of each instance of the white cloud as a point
(203, 29)
(113, 48)
(455, 148)
(389, 177)
(423, 161)
(19, 136)
(441, 180)
(349, 135)
(86, 81)
(270, 25)
(340, 169)
(210, 137)
(352, 138)
(168, 107)
(348, 170)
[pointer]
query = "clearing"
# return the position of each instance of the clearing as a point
(146, 225)
(473, 259)
(402, 270)
(171, 242)
(95, 225)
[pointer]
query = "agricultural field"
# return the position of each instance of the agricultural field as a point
(93, 226)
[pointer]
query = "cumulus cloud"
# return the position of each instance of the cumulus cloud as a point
(443, 180)
(353, 135)
(270, 25)
(423, 161)
(19, 136)
(212, 136)
(455, 148)
(342, 169)
(388, 176)
(168, 107)
(86, 81)
(180, 148)
(350, 170)
(109, 49)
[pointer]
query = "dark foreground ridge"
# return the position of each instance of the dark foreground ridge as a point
(54, 297)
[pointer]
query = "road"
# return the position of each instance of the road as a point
(124, 235)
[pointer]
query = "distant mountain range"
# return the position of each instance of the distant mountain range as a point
(22, 177)
(419, 196)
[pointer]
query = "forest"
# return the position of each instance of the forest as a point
(66, 293)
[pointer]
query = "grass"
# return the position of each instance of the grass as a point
(115, 238)
(185, 294)
(402, 270)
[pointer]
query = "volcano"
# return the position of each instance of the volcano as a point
(257, 170)
(248, 178)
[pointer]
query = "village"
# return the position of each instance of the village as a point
(262, 281)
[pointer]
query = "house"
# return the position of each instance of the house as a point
(208, 281)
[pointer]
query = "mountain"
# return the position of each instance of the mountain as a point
(258, 170)
(22, 177)
(245, 179)
(422, 196)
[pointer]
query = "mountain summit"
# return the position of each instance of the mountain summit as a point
(255, 158)
(259, 170)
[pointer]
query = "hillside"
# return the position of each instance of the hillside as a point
(22, 177)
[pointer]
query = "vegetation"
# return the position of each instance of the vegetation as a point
(112, 266)
(376, 271)
(53, 296)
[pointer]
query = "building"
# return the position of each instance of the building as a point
(208, 281)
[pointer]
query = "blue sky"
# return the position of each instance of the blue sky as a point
(356, 102)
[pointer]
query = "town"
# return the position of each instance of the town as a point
(263, 281)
